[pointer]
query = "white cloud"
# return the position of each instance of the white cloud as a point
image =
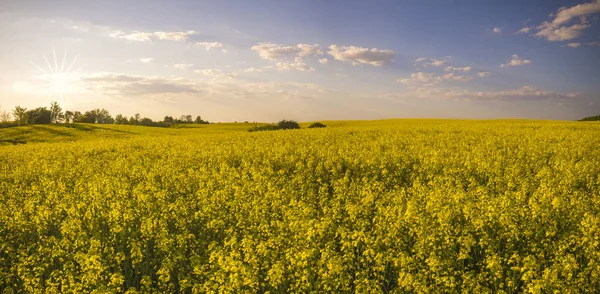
(497, 30)
(559, 30)
(357, 55)
(146, 60)
(432, 61)
(174, 36)
(217, 73)
(276, 52)
(453, 68)
(483, 74)
(323, 60)
(524, 30)
(525, 93)
(516, 61)
(298, 64)
(288, 57)
(123, 85)
(133, 36)
(253, 69)
(309, 50)
(209, 45)
(428, 79)
(134, 85)
(183, 65)
(425, 78)
(576, 45)
(452, 77)
(148, 36)
(562, 33)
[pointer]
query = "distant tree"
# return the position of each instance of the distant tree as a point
(198, 120)
(317, 125)
(40, 115)
(5, 117)
(56, 113)
(121, 120)
(87, 117)
(20, 114)
(168, 120)
(591, 118)
(68, 116)
(137, 117)
(288, 125)
(146, 122)
(76, 115)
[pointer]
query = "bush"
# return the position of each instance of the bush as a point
(288, 125)
(264, 128)
(591, 118)
(317, 125)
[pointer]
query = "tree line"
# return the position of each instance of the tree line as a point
(22, 116)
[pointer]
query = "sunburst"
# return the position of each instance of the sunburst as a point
(58, 79)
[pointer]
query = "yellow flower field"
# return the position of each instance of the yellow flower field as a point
(388, 206)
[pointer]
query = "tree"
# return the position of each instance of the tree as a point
(121, 120)
(137, 117)
(40, 115)
(188, 119)
(198, 120)
(169, 120)
(20, 114)
(76, 116)
(288, 125)
(55, 112)
(5, 117)
(68, 116)
(146, 122)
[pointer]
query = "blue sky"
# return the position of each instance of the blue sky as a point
(304, 60)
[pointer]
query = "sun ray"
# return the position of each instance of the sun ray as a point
(72, 63)
(62, 67)
(49, 66)
(55, 61)
(41, 69)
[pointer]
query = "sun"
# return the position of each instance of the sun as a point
(58, 78)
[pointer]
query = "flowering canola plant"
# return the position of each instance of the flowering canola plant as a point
(426, 206)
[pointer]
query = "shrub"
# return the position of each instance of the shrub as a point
(317, 125)
(288, 125)
(264, 128)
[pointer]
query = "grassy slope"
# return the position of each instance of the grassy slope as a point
(77, 132)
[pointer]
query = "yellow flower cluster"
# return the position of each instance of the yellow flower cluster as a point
(474, 207)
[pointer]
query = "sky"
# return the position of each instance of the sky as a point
(304, 60)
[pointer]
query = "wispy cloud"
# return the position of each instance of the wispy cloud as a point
(428, 62)
(497, 30)
(151, 36)
(183, 65)
(359, 55)
(209, 45)
(515, 60)
(559, 28)
(453, 68)
(288, 57)
(146, 60)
